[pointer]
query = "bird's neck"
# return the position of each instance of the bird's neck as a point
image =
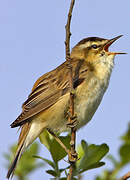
(103, 69)
(77, 53)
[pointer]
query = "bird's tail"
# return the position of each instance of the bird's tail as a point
(20, 149)
(14, 163)
(29, 132)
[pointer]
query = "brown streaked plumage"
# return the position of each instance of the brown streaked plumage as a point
(47, 92)
(48, 103)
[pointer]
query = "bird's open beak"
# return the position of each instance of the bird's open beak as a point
(111, 41)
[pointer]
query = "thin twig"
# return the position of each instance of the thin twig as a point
(58, 140)
(126, 176)
(73, 130)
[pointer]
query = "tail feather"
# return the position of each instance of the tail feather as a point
(29, 132)
(20, 149)
(14, 163)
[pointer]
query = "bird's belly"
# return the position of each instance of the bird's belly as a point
(88, 100)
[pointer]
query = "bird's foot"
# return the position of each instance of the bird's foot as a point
(73, 121)
(73, 157)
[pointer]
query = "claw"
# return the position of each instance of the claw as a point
(74, 117)
(73, 123)
(73, 157)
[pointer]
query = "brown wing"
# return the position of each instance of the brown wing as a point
(49, 88)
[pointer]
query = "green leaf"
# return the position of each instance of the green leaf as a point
(51, 172)
(96, 165)
(92, 155)
(81, 149)
(125, 153)
(126, 136)
(84, 146)
(45, 138)
(57, 152)
(61, 170)
(46, 160)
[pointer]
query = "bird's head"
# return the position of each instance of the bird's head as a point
(95, 50)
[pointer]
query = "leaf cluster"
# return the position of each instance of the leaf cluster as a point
(27, 163)
(124, 159)
(89, 156)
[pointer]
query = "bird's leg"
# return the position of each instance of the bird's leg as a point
(73, 121)
(59, 141)
(72, 157)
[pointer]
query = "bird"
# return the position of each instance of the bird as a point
(47, 106)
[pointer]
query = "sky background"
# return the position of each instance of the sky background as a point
(32, 38)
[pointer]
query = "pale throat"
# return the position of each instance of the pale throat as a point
(103, 69)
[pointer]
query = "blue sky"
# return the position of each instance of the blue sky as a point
(32, 38)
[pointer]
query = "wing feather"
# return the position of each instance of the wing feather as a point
(49, 88)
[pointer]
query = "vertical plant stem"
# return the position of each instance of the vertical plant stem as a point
(68, 59)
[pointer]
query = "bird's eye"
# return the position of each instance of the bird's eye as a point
(94, 46)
